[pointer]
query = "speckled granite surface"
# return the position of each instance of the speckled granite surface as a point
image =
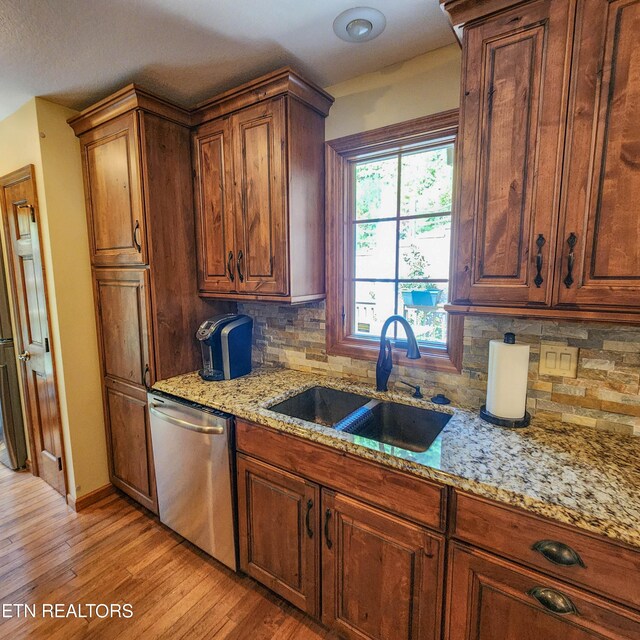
(572, 474)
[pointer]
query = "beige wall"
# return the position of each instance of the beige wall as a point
(74, 323)
(421, 86)
(38, 134)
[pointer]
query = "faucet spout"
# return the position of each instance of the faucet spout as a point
(385, 357)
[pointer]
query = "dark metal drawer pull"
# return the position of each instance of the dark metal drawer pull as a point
(136, 233)
(538, 280)
(327, 517)
(307, 519)
(232, 276)
(553, 600)
(558, 553)
(571, 241)
(239, 266)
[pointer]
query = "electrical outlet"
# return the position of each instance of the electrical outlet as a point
(558, 360)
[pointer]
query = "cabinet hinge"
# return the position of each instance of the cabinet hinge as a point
(59, 464)
(46, 345)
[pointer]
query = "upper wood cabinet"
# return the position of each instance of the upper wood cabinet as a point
(548, 159)
(113, 189)
(214, 192)
(259, 189)
(599, 241)
(509, 153)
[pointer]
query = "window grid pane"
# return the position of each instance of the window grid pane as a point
(418, 286)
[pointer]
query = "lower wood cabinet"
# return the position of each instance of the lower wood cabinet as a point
(493, 599)
(278, 527)
(381, 576)
(129, 442)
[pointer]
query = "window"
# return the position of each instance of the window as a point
(389, 207)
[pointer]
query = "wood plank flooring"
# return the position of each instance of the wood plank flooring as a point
(115, 552)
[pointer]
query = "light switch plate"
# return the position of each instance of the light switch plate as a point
(558, 360)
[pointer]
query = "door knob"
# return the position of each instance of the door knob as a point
(24, 356)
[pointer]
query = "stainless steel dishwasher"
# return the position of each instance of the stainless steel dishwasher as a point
(194, 475)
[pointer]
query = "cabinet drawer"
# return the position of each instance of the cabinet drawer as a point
(492, 599)
(590, 561)
(419, 500)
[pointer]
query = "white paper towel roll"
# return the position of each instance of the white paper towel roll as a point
(507, 379)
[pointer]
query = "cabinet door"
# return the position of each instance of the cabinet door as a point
(278, 517)
(509, 154)
(122, 302)
(381, 576)
(261, 212)
(111, 164)
(491, 599)
(129, 442)
(214, 207)
(602, 175)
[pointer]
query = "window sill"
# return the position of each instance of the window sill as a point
(442, 360)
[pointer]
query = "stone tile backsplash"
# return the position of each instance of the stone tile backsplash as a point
(605, 395)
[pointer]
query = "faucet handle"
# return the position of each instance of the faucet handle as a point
(417, 393)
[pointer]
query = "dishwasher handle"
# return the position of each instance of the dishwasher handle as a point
(213, 430)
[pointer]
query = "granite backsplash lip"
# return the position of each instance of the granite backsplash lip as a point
(576, 475)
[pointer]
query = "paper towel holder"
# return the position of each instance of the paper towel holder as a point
(505, 422)
(512, 423)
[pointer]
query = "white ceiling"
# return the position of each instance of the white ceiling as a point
(77, 51)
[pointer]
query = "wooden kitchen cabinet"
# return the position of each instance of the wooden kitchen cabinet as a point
(113, 190)
(383, 562)
(548, 160)
(137, 169)
(492, 599)
(215, 221)
(123, 309)
(278, 518)
(380, 575)
(259, 188)
(129, 442)
(601, 269)
(509, 154)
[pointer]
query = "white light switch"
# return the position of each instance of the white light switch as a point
(558, 360)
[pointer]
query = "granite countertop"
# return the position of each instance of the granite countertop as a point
(576, 475)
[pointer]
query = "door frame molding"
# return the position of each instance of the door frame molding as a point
(28, 173)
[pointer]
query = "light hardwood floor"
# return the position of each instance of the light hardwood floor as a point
(115, 552)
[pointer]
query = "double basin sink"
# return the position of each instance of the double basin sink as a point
(398, 425)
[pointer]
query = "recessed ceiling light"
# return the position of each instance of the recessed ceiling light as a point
(359, 24)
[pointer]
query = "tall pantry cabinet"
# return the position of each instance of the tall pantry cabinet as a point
(138, 187)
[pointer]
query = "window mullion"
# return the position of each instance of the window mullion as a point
(397, 273)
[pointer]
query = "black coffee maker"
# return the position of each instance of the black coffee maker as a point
(225, 341)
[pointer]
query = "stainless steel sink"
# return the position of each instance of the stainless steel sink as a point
(402, 426)
(321, 405)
